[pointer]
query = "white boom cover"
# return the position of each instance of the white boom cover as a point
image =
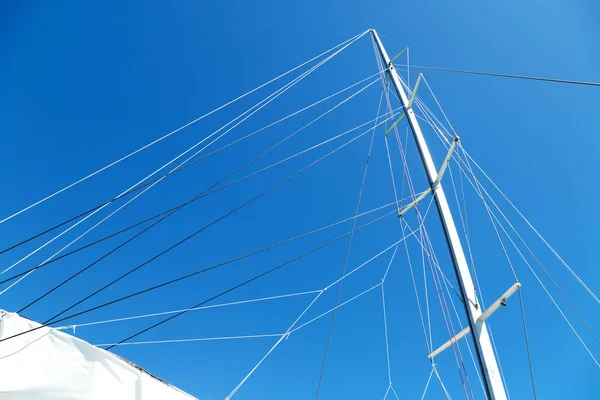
(49, 364)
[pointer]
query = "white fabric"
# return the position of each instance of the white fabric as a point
(48, 364)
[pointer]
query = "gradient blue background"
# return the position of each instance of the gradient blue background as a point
(83, 84)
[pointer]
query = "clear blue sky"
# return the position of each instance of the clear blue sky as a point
(84, 84)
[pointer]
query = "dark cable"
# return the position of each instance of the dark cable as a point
(126, 193)
(339, 292)
(241, 284)
(531, 78)
(85, 246)
(202, 229)
(73, 276)
(216, 266)
(152, 288)
(527, 346)
(203, 194)
(199, 196)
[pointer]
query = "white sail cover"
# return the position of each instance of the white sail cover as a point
(49, 364)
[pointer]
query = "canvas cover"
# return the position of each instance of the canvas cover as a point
(50, 364)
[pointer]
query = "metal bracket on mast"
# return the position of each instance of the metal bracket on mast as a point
(414, 92)
(482, 318)
(394, 125)
(435, 184)
(494, 387)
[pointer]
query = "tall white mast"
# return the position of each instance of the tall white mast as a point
(483, 346)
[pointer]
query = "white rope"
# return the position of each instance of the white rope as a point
(437, 272)
(429, 119)
(387, 148)
(385, 330)
(390, 264)
(335, 308)
(516, 233)
(279, 244)
(297, 155)
(294, 114)
(395, 394)
(302, 152)
(156, 182)
(514, 244)
(438, 104)
(554, 252)
(386, 392)
(437, 374)
(418, 100)
(293, 329)
(157, 314)
(285, 335)
(64, 247)
(425, 237)
(114, 320)
(547, 291)
(286, 118)
(463, 221)
(426, 290)
(318, 144)
(464, 224)
(203, 339)
(410, 268)
(371, 259)
(352, 40)
(427, 385)
(435, 269)
(390, 110)
(461, 326)
(476, 185)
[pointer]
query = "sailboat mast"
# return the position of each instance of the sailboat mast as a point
(485, 354)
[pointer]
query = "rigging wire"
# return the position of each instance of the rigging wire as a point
(552, 250)
(253, 110)
(158, 314)
(350, 41)
(386, 88)
(203, 339)
(293, 328)
(53, 319)
(241, 284)
(428, 243)
(436, 272)
(526, 336)
(215, 221)
(546, 272)
(460, 160)
(201, 271)
(479, 187)
(385, 327)
(339, 292)
(511, 76)
(439, 132)
(425, 236)
(205, 193)
(208, 190)
(164, 212)
(423, 233)
(186, 165)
